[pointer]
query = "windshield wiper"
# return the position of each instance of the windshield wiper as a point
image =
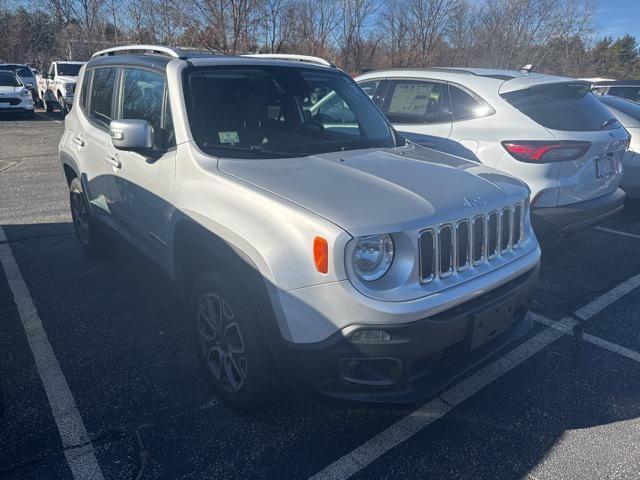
(607, 123)
(257, 149)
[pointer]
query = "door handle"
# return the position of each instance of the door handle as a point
(113, 161)
(78, 141)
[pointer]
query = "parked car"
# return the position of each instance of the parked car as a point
(628, 113)
(337, 258)
(549, 131)
(57, 87)
(26, 75)
(14, 96)
(628, 89)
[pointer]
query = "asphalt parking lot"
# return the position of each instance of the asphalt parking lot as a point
(114, 378)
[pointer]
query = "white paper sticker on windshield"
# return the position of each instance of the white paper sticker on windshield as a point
(228, 137)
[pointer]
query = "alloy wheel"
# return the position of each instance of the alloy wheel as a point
(221, 342)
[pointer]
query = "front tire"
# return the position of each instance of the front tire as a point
(48, 106)
(62, 106)
(230, 341)
(91, 237)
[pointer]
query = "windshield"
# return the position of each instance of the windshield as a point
(20, 70)
(9, 80)
(69, 69)
(258, 112)
(564, 106)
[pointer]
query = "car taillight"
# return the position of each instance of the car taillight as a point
(543, 152)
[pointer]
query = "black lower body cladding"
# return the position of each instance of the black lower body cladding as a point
(412, 361)
(550, 223)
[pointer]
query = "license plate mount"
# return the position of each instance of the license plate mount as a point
(489, 324)
(605, 166)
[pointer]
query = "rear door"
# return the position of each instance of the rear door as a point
(91, 136)
(420, 110)
(571, 112)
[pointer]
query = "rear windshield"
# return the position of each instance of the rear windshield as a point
(69, 69)
(630, 93)
(567, 106)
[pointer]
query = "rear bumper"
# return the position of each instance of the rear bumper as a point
(420, 358)
(631, 177)
(567, 219)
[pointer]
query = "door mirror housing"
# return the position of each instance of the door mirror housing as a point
(132, 135)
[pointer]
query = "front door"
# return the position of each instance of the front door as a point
(143, 183)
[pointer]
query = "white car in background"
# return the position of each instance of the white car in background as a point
(14, 95)
(551, 132)
(628, 113)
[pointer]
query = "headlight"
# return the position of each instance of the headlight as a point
(25, 93)
(372, 256)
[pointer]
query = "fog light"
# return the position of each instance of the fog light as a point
(370, 336)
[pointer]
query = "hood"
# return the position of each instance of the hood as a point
(10, 91)
(66, 79)
(376, 191)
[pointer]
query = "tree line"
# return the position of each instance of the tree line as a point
(555, 36)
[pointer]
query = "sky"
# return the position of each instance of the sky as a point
(616, 18)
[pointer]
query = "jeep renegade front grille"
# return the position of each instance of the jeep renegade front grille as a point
(456, 247)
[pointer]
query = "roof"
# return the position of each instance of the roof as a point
(477, 78)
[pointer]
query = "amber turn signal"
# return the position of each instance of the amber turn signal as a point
(321, 254)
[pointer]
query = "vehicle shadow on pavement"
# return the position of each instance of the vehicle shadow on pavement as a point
(118, 330)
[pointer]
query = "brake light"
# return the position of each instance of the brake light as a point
(321, 254)
(543, 152)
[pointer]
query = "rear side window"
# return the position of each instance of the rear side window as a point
(143, 98)
(567, 107)
(104, 80)
(465, 105)
(415, 101)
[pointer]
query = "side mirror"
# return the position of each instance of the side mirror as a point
(132, 136)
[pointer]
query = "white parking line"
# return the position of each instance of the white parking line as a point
(601, 342)
(73, 433)
(618, 232)
(405, 428)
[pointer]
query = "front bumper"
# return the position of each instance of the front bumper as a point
(421, 358)
(563, 220)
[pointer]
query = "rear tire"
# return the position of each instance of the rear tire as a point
(91, 236)
(230, 341)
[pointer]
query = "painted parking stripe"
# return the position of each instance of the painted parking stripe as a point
(600, 342)
(408, 426)
(618, 232)
(77, 445)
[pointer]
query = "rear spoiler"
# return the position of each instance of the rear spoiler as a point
(535, 80)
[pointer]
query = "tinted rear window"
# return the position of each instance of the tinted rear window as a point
(630, 93)
(568, 107)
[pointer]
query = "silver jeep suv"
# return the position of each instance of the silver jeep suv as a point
(317, 251)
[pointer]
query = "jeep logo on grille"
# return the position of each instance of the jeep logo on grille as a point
(474, 202)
